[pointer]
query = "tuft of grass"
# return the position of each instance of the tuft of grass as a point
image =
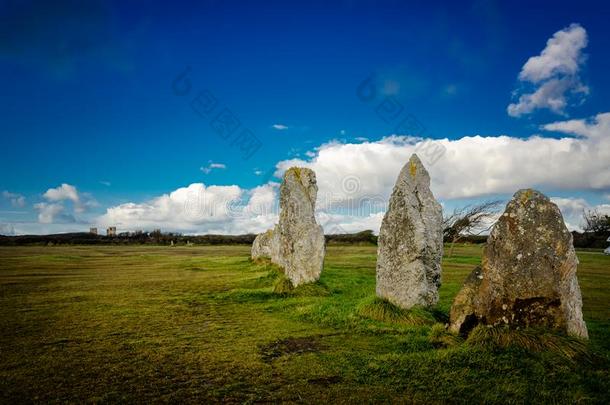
(248, 296)
(317, 289)
(382, 310)
(283, 286)
(440, 337)
(267, 280)
(531, 339)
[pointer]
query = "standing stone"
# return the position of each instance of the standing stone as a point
(261, 247)
(410, 244)
(528, 272)
(297, 242)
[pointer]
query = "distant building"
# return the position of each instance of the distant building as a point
(93, 231)
(111, 231)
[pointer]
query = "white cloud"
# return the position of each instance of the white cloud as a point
(49, 213)
(63, 192)
(596, 128)
(105, 183)
(473, 166)
(211, 166)
(572, 210)
(263, 199)
(552, 95)
(54, 210)
(562, 55)
(17, 200)
(553, 76)
(279, 127)
(196, 209)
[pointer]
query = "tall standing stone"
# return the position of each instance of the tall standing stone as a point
(410, 244)
(528, 272)
(298, 243)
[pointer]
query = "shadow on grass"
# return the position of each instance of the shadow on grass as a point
(273, 285)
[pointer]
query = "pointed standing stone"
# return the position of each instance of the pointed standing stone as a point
(410, 245)
(298, 242)
(528, 272)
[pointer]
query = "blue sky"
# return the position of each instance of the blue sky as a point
(87, 101)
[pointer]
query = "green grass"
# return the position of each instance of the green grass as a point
(383, 311)
(200, 324)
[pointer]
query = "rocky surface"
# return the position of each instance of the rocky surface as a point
(261, 247)
(410, 245)
(298, 241)
(528, 272)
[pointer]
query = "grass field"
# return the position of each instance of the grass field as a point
(197, 324)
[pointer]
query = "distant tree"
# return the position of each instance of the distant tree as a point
(363, 237)
(595, 222)
(467, 221)
(156, 235)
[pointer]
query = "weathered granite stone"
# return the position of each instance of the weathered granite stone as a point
(261, 247)
(528, 272)
(410, 244)
(298, 241)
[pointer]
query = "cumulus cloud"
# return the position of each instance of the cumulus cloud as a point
(54, 209)
(263, 199)
(473, 166)
(211, 166)
(551, 80)
(552, 95)
(61, 193)
(198, 208)
(17, 200)
(49, 213)
(596, 128)
(356, 179)
(562, 55)
(279, 127)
